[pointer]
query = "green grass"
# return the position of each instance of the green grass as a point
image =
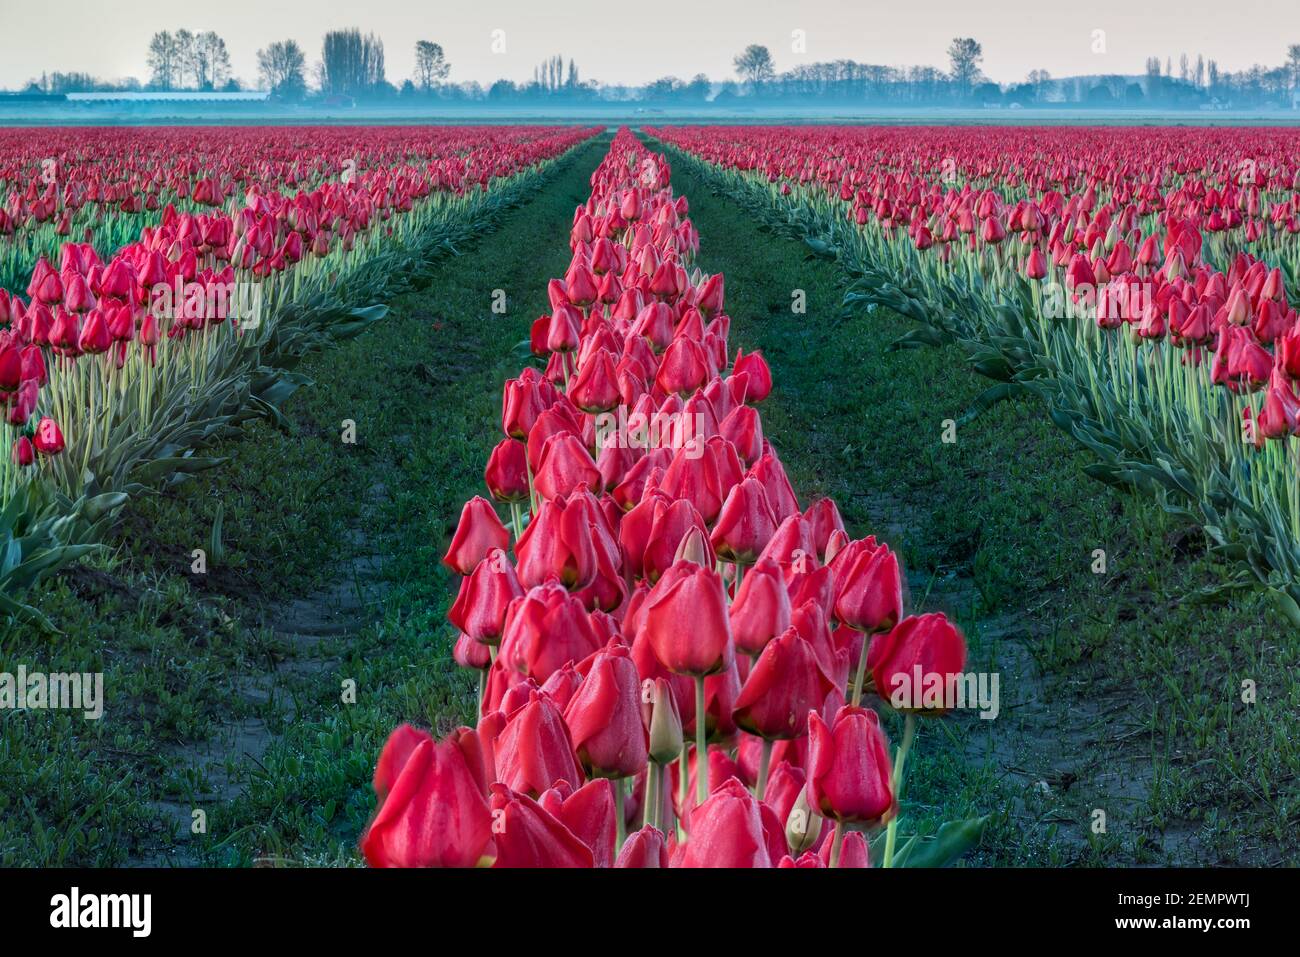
(1118, 693)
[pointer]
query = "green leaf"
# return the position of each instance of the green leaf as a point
(953, 839)
(1287, 605)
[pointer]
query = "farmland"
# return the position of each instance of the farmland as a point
(328, 448)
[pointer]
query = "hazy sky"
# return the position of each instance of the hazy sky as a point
(633, 42)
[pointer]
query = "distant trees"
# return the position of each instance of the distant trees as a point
(553, 76)
(351, 64)
(431, 64)
(209, 61)
(282, 67)
(965, 55)
(754, 65)
(549, 76)
(185, 60)
(165, 60)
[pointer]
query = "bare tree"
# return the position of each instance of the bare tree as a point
(965, 55)
(164, 60)
(431, 64)
(281, 67)
(209, 61)
(754, 65)
(351, 64)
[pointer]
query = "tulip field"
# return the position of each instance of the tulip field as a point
(686, 496)
(673, 663)
(1141, 290)
(133, 331)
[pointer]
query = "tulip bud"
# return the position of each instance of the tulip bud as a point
(665, 724)
(803, 826)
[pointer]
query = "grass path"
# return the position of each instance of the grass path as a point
(1117, 693)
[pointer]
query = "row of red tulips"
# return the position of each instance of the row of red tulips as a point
(124, 359)
(68, 176)
(89, 307)
(1130, 234)
(679, 664)
(1140, 287)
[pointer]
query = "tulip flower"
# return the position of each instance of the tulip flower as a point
(786, 682)
(589, 813)
(433, 809)
(527, 835)
(558, 544)
(760, 376)
(544, 630)
(849, 772)
(912, 664)
(480, 607)
(731, 829)
(506, 475)
(478, 532)
(745, 524)
(48, 439)
(604, 716)
(535, 750)
(644, 848)
(761, 608)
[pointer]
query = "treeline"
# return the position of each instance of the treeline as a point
(352, 66)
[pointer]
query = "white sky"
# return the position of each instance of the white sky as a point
(633, 42)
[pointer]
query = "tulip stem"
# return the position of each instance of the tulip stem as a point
(516, 521)
(683, 767)
(650, 810)
(862, 669)
(763, 763)
(701, 748)
(891, 832)
(620, 823)
(837, 843)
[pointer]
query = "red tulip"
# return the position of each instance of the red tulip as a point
(49, 438)
(911, 664)
(644, 848)
(557, 544)
(731, 829)
(686, 620)
(565, 465)
(604, 716)
(433, 808)
(849, 769)
(745, 524)
(506, 474)
(786, 682)
(478, 532)
(869, 590)
(544, 630)
(480, 607)
(760, 376)
(534, 750)
(761, 609)
(527, 835)
(589, 813)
